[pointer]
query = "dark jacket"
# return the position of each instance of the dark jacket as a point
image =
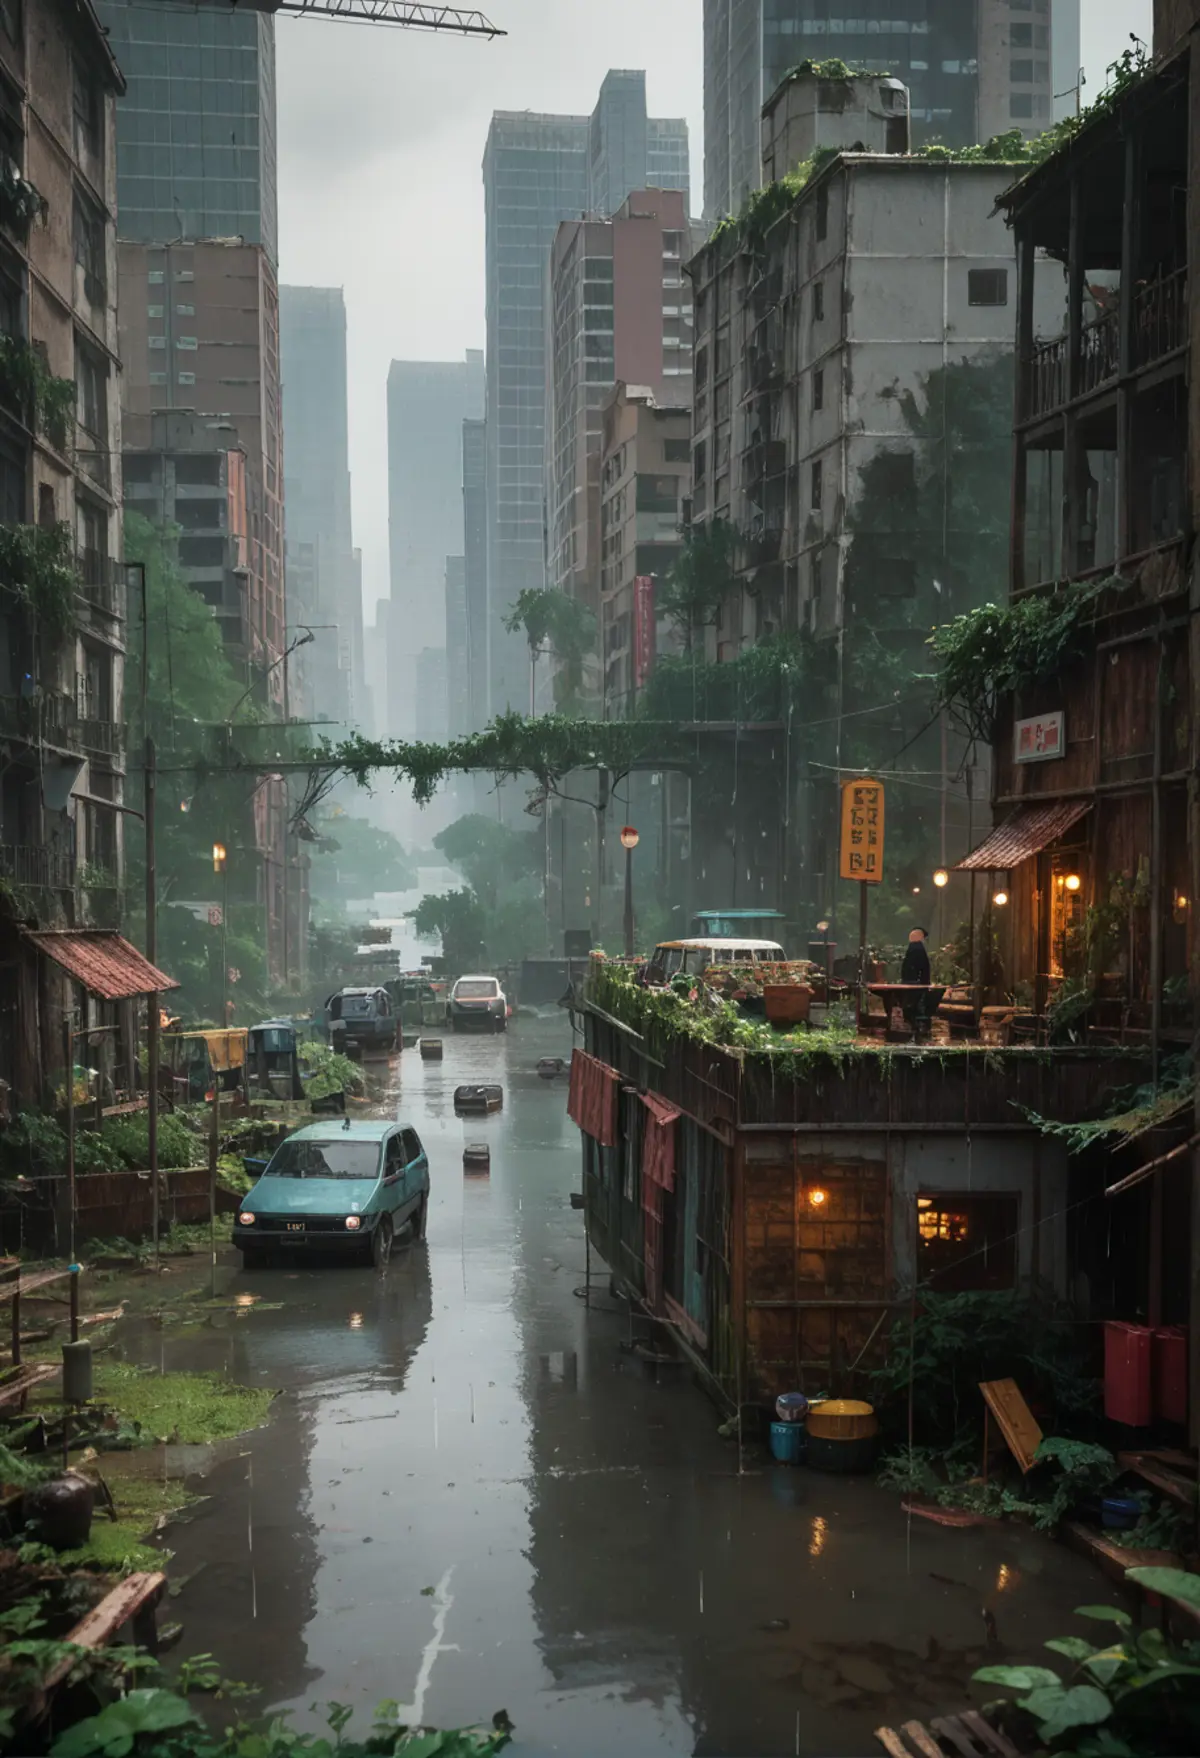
(916, 967)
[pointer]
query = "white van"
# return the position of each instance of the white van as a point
(690, 958)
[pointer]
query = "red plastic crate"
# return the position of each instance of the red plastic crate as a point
(1171, 1375)
(1127, 1373)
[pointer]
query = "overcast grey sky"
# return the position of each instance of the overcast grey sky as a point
(381, 136)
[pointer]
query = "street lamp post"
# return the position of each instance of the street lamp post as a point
(629, 841)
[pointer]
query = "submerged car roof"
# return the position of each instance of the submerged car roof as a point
(717, 940)
(353, 1130)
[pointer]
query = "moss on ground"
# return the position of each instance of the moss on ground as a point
(116, 1547)
(194, 1408)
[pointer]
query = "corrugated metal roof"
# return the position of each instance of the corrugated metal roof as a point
(1027, 831)
(107, 965)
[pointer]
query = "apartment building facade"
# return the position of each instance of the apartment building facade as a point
(539, 170)
(62, 599)
(852, 412)
(619, 311)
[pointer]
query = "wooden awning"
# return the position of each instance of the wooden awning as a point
(1025, 832)
(106, 964)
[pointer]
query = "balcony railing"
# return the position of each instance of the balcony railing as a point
(29, 864)
(1099, 351)
(1160, 318)
(1047, 382)
(104, 737)
(101, 582)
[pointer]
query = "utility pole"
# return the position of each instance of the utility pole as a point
(149, 793)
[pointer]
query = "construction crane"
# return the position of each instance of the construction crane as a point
(400, 12)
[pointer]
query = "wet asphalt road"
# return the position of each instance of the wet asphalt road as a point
(470, 1498)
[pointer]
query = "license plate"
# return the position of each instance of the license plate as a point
(295, 1226)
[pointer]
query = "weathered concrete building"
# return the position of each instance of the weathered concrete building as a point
(62, 598)
(852, 412)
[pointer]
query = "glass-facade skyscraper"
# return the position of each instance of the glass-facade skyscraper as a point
(973, 70)
(537, 171)
(196, 127)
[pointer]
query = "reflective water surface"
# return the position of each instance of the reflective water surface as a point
(471, 1498)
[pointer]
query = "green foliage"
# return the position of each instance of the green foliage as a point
(764, 208)
(832, 68)
(21, 202)
(192, 1408)
(554, 621)
(26, 380)
(37, 567)
(958, 1340)
(490, 855)
(458, 919)
(547, 748)
(1142, 1693)
(352, 858)
(769, 681)
(988, 655)
(330, 1072)
(701, 579)
(1132, 1109)
(158, 1723)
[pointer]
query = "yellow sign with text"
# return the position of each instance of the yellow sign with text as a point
(862, 831)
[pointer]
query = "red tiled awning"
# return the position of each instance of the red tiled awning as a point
(658, 1145)
(1025, 832)
(107, 965)
(592, 1100)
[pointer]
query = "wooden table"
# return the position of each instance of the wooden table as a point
(896, 994)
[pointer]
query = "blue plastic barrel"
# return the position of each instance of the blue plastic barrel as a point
(788, 1442)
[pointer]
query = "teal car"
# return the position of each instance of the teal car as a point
(337, 1187)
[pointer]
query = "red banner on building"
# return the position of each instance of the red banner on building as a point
(645, 629)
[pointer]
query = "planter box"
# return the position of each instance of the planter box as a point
(787, 1003)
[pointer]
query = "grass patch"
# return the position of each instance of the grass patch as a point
(117, 1547)
(190, 1407)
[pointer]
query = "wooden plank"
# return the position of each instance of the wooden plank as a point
(987, 1735)
(892, 1744)
(921, 1740)
(28, 1284)
(1015, 1419)
(1180, 1490)
(12, 1391)
(950, 1728)
(1115, 1558)
(135, 1594)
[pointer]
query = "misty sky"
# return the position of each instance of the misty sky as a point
(381, 136)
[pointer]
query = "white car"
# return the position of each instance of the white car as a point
(479, 1003)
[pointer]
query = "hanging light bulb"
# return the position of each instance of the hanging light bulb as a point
(1000, 899)
(941, 878)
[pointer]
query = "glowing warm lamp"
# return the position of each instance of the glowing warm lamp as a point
(1072, 882)
(629, 837)
(1000, 899)
(818, 1197)
(218, 857)
(941, 878)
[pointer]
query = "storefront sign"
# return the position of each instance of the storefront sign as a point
(862, 831)
(645, 632)
(1040, 739)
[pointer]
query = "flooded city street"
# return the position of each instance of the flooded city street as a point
(471, 1498)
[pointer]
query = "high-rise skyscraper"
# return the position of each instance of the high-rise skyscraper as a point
(196, 126)
(474, 488)
(537, 171)
(974, 70)
(428, 401)
(322, 581)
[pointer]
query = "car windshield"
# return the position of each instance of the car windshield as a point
(475, 991)
(357, 1003)
(325, 1159)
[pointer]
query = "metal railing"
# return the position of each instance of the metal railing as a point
(101, 582)
(30, 864)
(104, 737)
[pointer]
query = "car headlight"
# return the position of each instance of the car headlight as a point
(353, 1222)
(246, 1218)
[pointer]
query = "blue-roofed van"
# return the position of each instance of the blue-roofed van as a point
(341, 1187)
